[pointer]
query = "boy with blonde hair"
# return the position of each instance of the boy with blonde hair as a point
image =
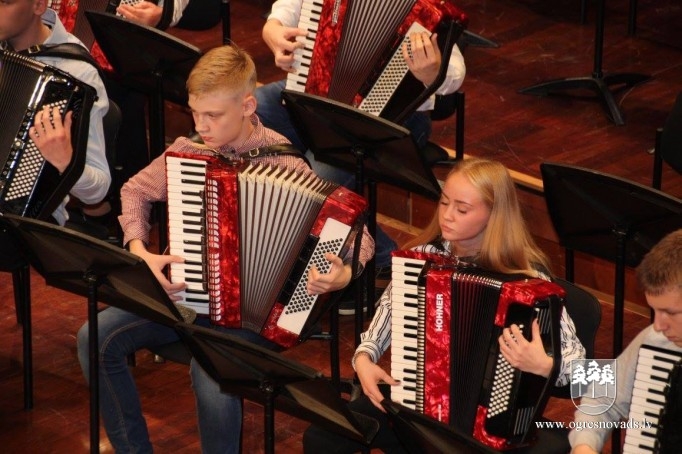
(221, 99)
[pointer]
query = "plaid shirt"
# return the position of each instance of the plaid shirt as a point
(149, 185)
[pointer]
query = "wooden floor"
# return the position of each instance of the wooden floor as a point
(538, 41)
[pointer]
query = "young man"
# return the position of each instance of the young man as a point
(27, 23)
(280, 33)
(221, 99)
(660, 276)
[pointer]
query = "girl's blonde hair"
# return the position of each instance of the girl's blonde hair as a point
(223, 68)
(507, 246)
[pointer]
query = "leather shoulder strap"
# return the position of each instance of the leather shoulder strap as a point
(282, 149)
(65, 50)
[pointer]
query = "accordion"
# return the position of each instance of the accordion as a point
(353, 51)
(29, 185)
(446, 319)
(656, 404)
(249, 234)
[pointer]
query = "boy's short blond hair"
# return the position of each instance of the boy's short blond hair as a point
(223, 68)
(661, 268)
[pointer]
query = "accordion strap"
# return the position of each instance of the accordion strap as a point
(282, 149)
(71, 51)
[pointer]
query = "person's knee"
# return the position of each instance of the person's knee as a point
(82, 342)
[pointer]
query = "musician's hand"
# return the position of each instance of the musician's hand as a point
(583, 449)
(157, 263)
(145, 13)
(337, 278)
(425, 59)
(370, 375)
(52, 136)
(282, 41)
(526, 356)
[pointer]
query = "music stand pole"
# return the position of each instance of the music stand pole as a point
(263, 376)
(225, 12)
(92, 282)
(375, 149)
(152, 62)
(83, 265)
(597, 82)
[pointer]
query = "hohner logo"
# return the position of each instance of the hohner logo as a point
(439, 312)
(335, 14)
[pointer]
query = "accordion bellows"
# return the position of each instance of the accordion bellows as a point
(257, 231)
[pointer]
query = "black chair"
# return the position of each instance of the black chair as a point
(21, 273)
(446, 106)
(585, 311)
(668, 146)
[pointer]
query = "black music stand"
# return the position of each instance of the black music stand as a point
(597, 82)
(611, 218)
(83, 265)
(150, 61)
(421, 434)
(376, 150)
(608, 217)
(268, 378)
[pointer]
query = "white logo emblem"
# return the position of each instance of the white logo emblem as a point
(595, 379)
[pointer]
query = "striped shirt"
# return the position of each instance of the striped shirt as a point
(376, 340)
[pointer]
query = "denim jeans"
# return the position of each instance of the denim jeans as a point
(121, 333)
(275, 116)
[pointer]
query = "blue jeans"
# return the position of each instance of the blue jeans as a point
(121, 333)
(275, 116)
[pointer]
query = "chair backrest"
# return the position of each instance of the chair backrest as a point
(669, 143)
(444, 107)
(585, 311)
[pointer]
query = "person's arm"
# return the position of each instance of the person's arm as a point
(586, 431)
(149, 14)
(530, 356)
(137, 196)
(52, 136)
(341, 272)
(374, 342)
(571, 348)
(454, 76)
(281, 31)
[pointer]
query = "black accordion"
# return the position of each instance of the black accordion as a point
(446, 321)
(29, 185)
(656, 405)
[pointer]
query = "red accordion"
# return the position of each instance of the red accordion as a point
(249, 234)
(353, 53)
(446, 319)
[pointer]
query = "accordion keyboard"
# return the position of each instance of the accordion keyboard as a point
(311, 11)
(649, 396)
(186, 179)
(404, 276)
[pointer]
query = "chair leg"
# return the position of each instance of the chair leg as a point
(459, 127)
(22, 300)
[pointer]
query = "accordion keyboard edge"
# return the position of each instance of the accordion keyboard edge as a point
(259, 232)
(29, 185)
(446, 319)
(656, 400)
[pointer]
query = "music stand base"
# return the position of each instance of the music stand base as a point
(600, 85)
